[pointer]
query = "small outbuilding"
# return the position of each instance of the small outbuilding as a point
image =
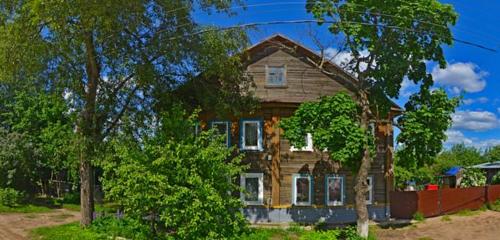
(490, 168)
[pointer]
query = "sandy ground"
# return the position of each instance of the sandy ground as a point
(16, 226)
(483, 226)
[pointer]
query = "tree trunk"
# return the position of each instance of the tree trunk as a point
(361, 187)
(88, 132)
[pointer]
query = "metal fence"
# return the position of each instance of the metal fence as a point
(443, 201)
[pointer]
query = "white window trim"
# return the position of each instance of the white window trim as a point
(259, 135)
(370, 191)
(228, 131)
(284, 76)
(308, 148)
(243, 178)
(342, 196)
(294, 189)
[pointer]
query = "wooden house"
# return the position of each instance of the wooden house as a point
(285, 184)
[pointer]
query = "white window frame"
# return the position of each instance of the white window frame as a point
(228, 129)
(294, 189)
(342, 196)
(259, 135)
(370, 190)
(268, 72)
(243, 178)
(307, 148)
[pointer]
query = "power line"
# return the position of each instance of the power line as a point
(303, 21)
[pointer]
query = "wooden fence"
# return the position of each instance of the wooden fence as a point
(443, 201)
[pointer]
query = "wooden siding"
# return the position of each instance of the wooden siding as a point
(303, 81)
(279, 164)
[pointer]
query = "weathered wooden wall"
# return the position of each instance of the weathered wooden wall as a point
(303, 81)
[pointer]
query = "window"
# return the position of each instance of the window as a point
(369, 196)
(252, 185)
(302, 190)
(334, 190)
(308, 147)
(222, 128)
(251, 134)
(276, 75)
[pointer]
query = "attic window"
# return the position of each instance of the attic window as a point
(276, 75)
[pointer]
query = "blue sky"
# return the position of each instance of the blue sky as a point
(471, 71)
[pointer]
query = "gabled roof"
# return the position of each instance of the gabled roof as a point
(279, 42)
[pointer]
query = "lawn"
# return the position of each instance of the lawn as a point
(64, 232)
(73, 231)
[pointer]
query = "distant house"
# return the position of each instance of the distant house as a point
(284, 183)
(491, 168)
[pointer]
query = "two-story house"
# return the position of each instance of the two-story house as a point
(283, 183)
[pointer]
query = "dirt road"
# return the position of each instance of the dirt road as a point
(482, 226)
(16, 226)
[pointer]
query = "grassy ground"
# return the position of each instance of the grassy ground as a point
(28, 208)
(73, 231)
(64, 232)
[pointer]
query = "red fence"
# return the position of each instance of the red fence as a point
(443, 201)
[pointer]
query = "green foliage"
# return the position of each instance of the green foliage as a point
(35, 141)
(423, 128)
(334, 125)
(473, 177)
(460, 155)
(73, 198)
(493, 154)
(321, 235)
(128, 228)
(10, 197)
(495, 206)
(496, 178)
(397, 43)
(419, 217)
(179, 182)
(71, 231)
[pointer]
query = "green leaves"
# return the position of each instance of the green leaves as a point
(184, 181)
(424, 123)
(334, 125)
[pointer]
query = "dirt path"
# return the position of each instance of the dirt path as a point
(483, 226)
(16, 226)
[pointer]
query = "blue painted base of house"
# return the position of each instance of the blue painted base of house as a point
(311, 215)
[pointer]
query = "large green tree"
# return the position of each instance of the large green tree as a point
(113, 58)
(388, 41)
(423, 128)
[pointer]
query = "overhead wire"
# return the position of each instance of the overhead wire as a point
(303, 21)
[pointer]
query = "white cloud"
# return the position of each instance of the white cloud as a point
(475, 120)
(469, 101)
(461, 76)
(457, 137)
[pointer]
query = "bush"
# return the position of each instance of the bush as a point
(177, 183)
(473, 177)
(125, 227)
(73, 198)
(496, 179)
(10, 197)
